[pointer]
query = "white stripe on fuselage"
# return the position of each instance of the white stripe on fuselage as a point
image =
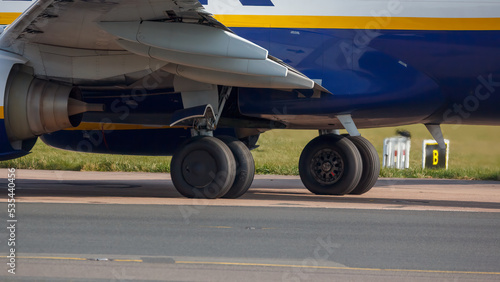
(364, 8)
(15, 6)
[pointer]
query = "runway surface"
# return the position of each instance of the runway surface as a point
(134, 226)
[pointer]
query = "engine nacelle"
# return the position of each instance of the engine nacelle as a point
(31, 107)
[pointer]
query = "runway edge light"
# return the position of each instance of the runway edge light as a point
(433, 156)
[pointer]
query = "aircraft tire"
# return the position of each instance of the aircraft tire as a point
(371, 165)
(330, 165)
(203, 168)
(245, 167)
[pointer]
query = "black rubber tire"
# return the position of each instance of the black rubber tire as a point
(345, 155)
(371, 165)
(203, 168)
(245, 167)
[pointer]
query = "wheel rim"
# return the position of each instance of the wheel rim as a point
(327, 167)
(198, 168)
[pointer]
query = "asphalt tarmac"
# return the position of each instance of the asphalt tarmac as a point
(82, 226)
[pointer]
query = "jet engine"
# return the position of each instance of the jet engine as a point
(30, 107)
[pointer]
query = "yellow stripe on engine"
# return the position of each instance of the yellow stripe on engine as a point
(348, 22)
(8, 18)
(2, 115)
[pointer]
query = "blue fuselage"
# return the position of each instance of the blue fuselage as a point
(383, 78)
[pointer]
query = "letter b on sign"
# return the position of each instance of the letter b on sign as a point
(433, 156)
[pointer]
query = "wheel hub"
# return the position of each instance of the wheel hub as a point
(198, 168)
(327, 167)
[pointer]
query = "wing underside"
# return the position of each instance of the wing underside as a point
(119, 42)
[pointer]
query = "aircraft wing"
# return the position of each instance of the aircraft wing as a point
(110, 42)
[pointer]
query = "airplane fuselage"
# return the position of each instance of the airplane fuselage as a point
(385, 62)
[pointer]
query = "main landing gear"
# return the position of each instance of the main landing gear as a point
(337, 165)
(209, 167)
(205, 166)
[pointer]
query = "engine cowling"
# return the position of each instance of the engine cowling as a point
(30, 107)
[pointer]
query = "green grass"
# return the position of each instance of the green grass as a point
(48, 158)
(474, 154)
